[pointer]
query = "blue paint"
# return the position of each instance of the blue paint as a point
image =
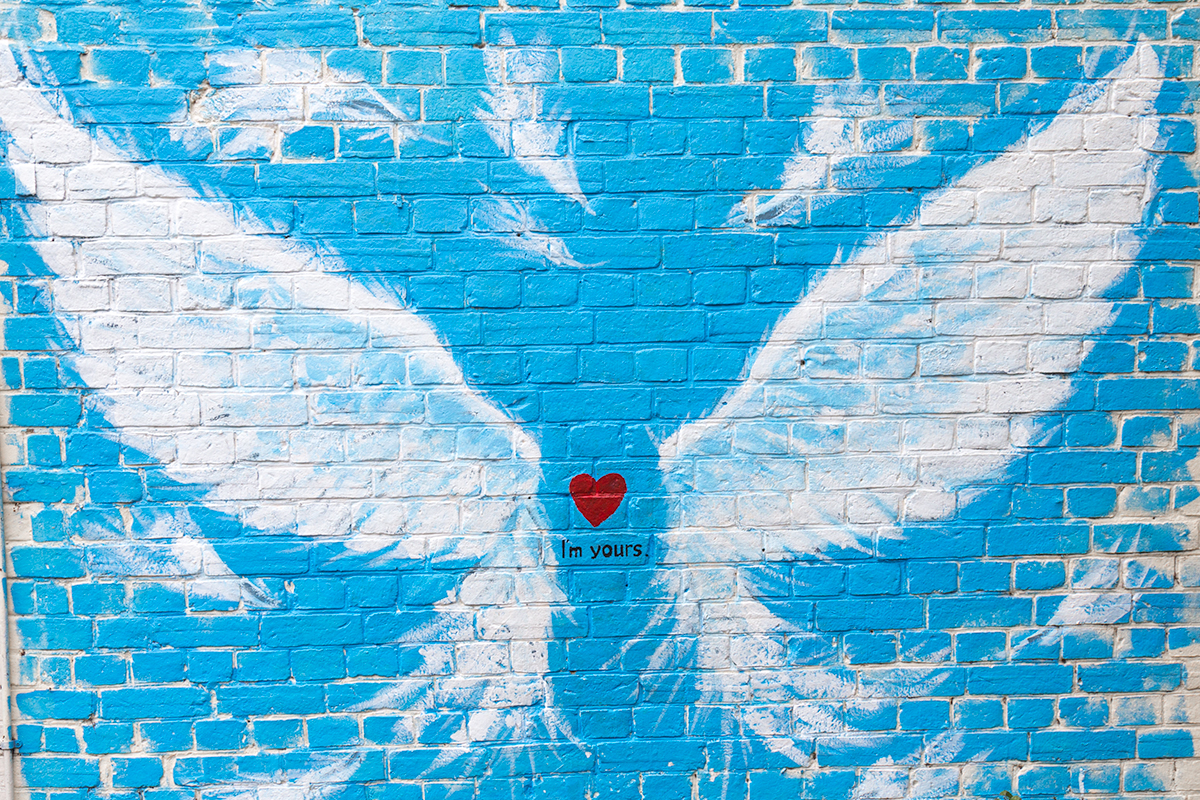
(658, 330)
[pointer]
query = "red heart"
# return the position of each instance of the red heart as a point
(597, 499)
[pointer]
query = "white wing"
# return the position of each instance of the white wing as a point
(886, 389)
(910, 377)
(241, 371)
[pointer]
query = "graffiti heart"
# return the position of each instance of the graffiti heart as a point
(597, 498)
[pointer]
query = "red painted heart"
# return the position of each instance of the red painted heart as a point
(597, 499)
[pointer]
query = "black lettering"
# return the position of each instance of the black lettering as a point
(576, 552)
(607, 550)
(637, 550)
(595, 550)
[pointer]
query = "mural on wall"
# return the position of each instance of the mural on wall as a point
(655, 403)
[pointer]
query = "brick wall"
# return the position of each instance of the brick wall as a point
(884, 315)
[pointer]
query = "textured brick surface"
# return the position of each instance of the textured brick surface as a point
(885, 314)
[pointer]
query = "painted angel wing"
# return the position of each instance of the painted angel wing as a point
(881, 398)
(886, 408)
(272, 415)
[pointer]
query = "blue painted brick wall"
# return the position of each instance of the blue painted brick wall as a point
(884, 316)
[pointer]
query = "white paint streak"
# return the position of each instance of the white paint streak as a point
(268, 299)
(511, 116)
(755, 429)
(772, 465)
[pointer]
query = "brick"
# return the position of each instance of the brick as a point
(332, 28)
(770, 64)
(422, 28)
(892, 27)
(163, 703)
(856, 749)
(762, 27)
(841, 615)
(987, 612)
(1110, 24)
(648, 64)
(956, 99)
(1065, 466)
(1165, 744)
(1145, 393)
(645, 754)
(1165, 608)
(572, 28)
(315, 180)
(706, 65)
(270, 700)
(1066, 745)
(649, 326)
(61, 772)
(585, 64)
(1019, 679)
(21, 23)
(631, 175)
(44, 486)
(1032, 539)
(137, 773)
(656, 27)
(1143, 538)
(806, 100)
(995, 25)
(913, 682)
(705, 102)
(451, 177)
(144, 105)
(59, 704)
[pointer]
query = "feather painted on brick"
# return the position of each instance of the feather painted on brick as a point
(511, 118)
(466, 499)
(786, 472)
(863, 304)
(789, 489)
